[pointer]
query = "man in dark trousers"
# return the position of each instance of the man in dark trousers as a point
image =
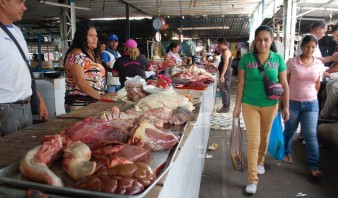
(224, 69)
(15, 78)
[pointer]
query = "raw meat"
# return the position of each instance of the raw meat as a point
(126, 179)
(50, 150)
(155, 138)
(158, 116)
(115, 161)
(76, 161)
(169, 99)
(35, 163)
(32, 193)
(129, 152)
(38, 171)
(94, 132)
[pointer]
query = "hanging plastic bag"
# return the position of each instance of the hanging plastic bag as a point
(276, 141)
(236, 146)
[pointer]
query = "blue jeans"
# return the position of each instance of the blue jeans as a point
(307, 114)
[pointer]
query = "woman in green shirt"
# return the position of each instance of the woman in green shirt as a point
(258, 110)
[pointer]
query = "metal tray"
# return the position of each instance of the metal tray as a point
(12, 177)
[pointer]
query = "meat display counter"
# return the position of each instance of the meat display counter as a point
(184, 174)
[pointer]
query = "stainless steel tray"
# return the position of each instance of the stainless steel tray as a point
(12, 177)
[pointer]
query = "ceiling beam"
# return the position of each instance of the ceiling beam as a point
(136, 8)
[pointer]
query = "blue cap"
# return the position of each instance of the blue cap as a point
(113, 37)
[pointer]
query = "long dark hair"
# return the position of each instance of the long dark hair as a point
(171, 46)
(307, 39)
(80, 40)
(268, 29)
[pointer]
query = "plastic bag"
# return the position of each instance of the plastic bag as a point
(134, 87)
(276, 141)
(136, 81)
(236, 146)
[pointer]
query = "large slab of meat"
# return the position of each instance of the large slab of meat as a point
(157, 116)
(130, 152)
(94, 132)
(153, 137)
(169, 99)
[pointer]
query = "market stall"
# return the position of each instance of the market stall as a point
(183, 172)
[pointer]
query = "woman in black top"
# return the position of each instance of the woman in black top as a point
(132, 63)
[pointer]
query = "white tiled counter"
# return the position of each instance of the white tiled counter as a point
(53, 93)
(184, 177)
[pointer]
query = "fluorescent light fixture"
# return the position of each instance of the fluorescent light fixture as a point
(62, 5)
(184, 38)
(119, 18)
(205, 28)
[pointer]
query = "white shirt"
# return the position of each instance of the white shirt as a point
(15, 79)
(111, 80)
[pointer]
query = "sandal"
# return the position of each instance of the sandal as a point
(316, 173)
(287, 159)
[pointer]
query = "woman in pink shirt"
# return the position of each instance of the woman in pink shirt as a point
(303, 74)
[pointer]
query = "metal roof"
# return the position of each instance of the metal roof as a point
(44, 19)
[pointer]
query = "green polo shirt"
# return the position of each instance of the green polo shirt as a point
(254, 93)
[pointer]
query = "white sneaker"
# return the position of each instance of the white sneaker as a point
(251, 188)
(260, 170)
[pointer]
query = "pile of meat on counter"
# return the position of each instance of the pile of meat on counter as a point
(111, 153)
(192, 77)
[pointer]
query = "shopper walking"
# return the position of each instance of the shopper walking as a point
(224, 68)
(303, 74)
(258, 110)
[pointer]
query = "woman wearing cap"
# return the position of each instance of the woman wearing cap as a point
(132, 63)
(85, 77)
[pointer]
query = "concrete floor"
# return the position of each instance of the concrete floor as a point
(219, 180)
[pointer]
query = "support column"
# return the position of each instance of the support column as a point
(63, 31)
(289, 26)
(127, 22)
(72, 19)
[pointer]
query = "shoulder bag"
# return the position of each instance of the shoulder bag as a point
(34, 97)
(273, 90)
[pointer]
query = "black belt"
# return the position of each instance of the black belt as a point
(24, 101)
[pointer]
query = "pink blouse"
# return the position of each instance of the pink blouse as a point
(303, 79)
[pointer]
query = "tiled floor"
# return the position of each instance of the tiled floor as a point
(223, 121)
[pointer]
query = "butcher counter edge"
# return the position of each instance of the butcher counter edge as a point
(184, 176)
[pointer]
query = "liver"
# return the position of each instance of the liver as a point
(182, 179)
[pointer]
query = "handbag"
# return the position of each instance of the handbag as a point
(273, 90)
(276, 140)
(236, 146)
(34, 98)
